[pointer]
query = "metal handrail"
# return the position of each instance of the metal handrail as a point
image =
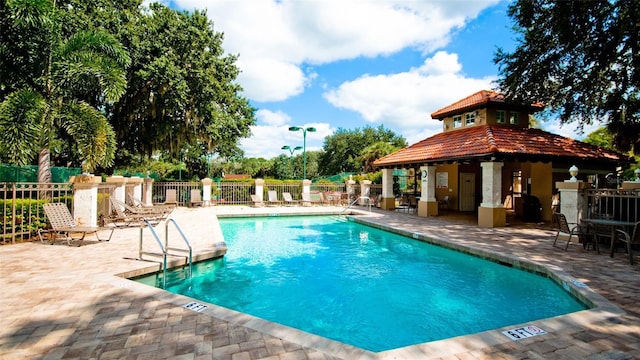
(166, 242)
(356, 200)
(164, 251)
(165, 247)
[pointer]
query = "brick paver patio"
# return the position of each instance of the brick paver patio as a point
(62, 302)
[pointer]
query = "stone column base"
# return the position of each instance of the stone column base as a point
(388, 203)
(492, 217)
(427, 208)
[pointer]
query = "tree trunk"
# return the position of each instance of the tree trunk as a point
(44, 168)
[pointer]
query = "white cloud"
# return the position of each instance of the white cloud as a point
(272, 132)
(275, 38)
(404, 101)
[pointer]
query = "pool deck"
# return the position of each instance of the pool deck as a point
(60, 302)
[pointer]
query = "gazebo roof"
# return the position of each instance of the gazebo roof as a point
(482, 99)
(502, 142)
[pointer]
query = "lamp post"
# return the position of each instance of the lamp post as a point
(291, 151)
(304, 146)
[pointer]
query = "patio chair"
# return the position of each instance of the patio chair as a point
(306, 199)
(565, 230)
(444, 203)
(126, 214)
(630, 240)
(170, 197)
(195, 199)
(63, 226)
(273, 198)
(288, 199)
(257, 202)
(157, 207)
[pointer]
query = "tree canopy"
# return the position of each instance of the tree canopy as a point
(579, 58)
(343, 151)
(159, 77)
(52, 87)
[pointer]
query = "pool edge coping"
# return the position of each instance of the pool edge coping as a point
(602, 310)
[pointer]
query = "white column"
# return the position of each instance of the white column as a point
(573, 200)
(428, 178)
(135, 184)
(206, 191)
(365, 191)
(119, 191)
(147, 194)
(260, 189)
(492, 184)
(387, 183)
(85, 200)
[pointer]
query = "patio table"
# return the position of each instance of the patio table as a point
(613, 224)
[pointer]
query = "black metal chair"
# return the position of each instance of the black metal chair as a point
(565, 229)
(633, 239)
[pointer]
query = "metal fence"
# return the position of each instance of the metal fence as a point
(22, 213)
(622, 205)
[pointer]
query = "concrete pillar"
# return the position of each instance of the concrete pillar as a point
(119, 191)
(85, 199)
(365, 191)
(206, 191)
(573, 200)
(491, 213)
(428, 205)
(351, 189)
(134, 187)
(306, 186)
(388, 201)
(260, 189)
(147, 193)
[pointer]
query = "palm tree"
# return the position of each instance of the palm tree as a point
(58, 98)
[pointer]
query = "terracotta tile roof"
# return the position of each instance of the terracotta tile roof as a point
(476, 101)
(502, 141)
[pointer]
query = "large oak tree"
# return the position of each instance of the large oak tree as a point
(581, 59)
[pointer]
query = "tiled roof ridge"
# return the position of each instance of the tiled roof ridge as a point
(491, 140)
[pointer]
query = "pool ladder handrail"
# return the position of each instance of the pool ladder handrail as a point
(356, 200)
(165, 247)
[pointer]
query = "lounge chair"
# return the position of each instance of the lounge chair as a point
(195, 199)
(63, 226)
(157, 207)
(288, 199)
(565, 230)
(127, 214)
(273, 198)
(633, 239)
(257, 202)
(170, 197)
(306, 199)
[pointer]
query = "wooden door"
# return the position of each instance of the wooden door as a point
(467, 192)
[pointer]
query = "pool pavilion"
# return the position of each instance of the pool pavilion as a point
(488, 160)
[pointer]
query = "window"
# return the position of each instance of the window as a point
(469, 118)
(501, 116)
(516, 183)
(513, 120)
(457, 121)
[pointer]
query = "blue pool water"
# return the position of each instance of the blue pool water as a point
(363, 286)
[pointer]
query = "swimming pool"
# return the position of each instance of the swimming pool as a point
(363, 286)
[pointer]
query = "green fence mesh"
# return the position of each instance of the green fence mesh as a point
(12, 173)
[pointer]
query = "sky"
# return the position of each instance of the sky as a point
(349, 64)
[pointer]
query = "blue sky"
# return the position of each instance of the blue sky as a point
(349, 64)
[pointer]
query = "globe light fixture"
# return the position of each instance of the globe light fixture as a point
(573, 171)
